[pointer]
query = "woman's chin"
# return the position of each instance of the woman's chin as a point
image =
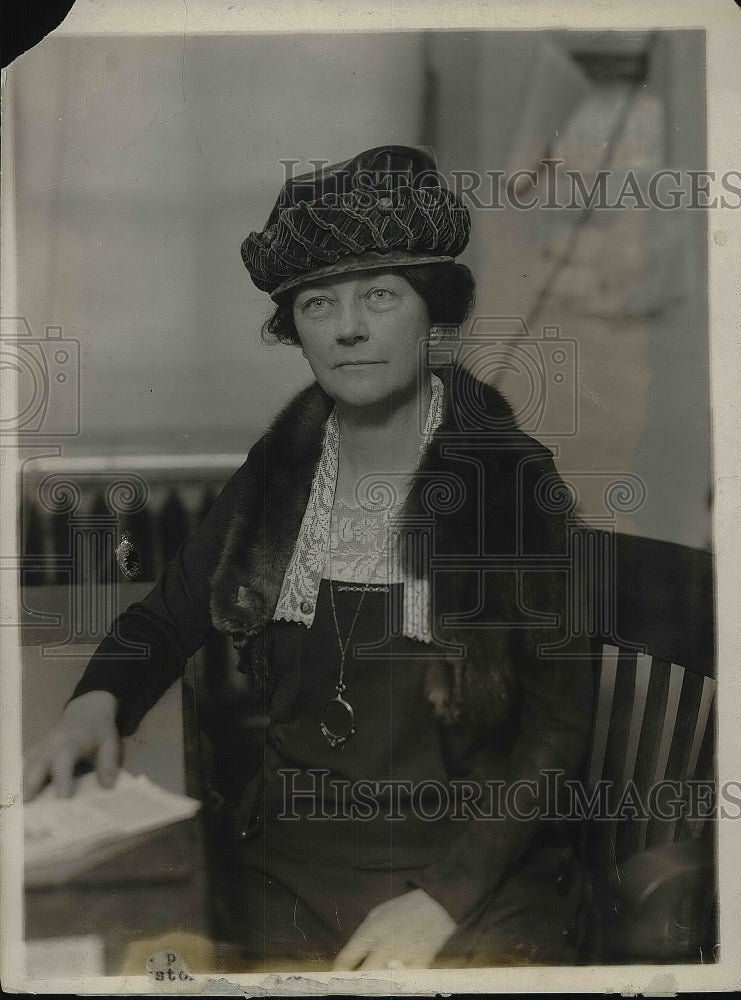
(361, 386)
(367, 386)
(363, 400)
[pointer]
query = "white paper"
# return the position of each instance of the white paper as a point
(61, 830)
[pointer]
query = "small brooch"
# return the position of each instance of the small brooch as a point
(128, 557)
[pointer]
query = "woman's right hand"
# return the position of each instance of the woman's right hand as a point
(86, 731)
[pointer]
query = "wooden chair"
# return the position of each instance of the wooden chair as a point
(650, 892)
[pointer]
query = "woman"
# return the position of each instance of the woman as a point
(390, 570)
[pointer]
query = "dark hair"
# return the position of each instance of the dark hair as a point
(448, 290)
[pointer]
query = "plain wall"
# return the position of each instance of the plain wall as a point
(631, 296)
(142, 163)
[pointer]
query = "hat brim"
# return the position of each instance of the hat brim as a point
(365, 262)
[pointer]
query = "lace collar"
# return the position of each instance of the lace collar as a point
(298, 595)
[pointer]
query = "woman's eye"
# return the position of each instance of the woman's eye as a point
(318, 302)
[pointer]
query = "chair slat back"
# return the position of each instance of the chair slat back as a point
(653, 725)
(650, 613)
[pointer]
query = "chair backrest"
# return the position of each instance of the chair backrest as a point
(654, 724)
(655, 690)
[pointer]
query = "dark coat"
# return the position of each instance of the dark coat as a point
(515, 699)
(511, 686)
(499, 521)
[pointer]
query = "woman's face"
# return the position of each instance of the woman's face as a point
(361, 335)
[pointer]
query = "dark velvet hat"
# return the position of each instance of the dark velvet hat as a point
(386, 207)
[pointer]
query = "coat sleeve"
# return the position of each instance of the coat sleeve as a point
(551, 732)
(147, 646)
(555, 720)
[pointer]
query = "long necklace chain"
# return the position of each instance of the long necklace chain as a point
(339, 703)
(343, 649)
(338, 709)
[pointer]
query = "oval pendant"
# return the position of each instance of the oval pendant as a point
(338, 721)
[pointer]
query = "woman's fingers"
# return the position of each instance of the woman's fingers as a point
(356, 949)
(106, 763)
(35, 772)
(375, 956)
(62, 770)
(385, 958)
(58, 761)
(368, 949)
(406, 930)
(86, 731)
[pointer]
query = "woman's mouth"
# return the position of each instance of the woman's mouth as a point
(357, 364)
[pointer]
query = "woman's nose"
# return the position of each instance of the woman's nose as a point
(351, 325)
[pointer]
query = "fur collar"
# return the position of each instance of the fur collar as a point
(477, 485)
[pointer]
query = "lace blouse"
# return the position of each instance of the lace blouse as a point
(355, 544)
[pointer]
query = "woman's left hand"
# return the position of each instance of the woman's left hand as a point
(406, 931)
